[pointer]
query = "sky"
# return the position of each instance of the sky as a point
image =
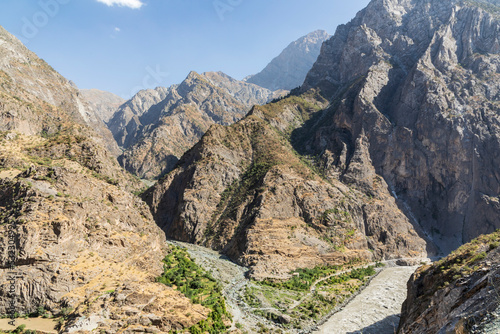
(123, 46)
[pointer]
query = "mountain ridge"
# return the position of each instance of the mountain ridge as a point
(156, 127)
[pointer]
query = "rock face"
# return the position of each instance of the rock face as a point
(84, 244)
(242, 190)
(289, 69)
(418, 83)
(457, 294)
(247, 93)
(104, 103)
(35, 99)
(157, 126)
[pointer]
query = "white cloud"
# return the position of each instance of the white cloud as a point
(117, 29)
(134, 4)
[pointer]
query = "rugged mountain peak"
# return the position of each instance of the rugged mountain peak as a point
(288, 70)
(157, 126)
(170, 120)
(247, 93)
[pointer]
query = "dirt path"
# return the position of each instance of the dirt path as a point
(376, 309)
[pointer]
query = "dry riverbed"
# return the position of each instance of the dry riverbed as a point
(376, 309)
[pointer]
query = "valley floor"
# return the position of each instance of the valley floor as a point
(375, 310)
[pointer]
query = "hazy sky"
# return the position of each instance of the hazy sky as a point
(125, 45)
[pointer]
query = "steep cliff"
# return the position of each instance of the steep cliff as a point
(418, 81)
(288, 70)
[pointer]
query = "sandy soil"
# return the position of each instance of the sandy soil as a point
(38, 324)
(376, 309)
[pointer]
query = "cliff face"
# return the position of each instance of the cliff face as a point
(157, 127)
(85, 245)
(419, 80)
(244, 190)
(288, 70)
(458, 294)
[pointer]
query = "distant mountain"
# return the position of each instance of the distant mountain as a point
(104, 103)
(247, 93)
(156, 127)
(289, 69)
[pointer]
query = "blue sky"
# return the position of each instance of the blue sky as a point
(125, 45)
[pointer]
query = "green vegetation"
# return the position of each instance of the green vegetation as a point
(303, 105)
(19, 329)
(105, 178)
(302, 279)
(182, 273)
(295, 299)
(461, 262)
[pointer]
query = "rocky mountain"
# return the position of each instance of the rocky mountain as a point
(104, 103)
(289, 69)
(36, 99)
(458, 294)
(245, 191)
(418, 80)
(157, 126)
(86, 249)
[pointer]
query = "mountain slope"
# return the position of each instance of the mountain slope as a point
(289, 69)
(87, 250)
(156, 127)
(34, 98)
(458, 294)
(244, 191)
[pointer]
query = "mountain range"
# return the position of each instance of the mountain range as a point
(382, 148)
(156, 127)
